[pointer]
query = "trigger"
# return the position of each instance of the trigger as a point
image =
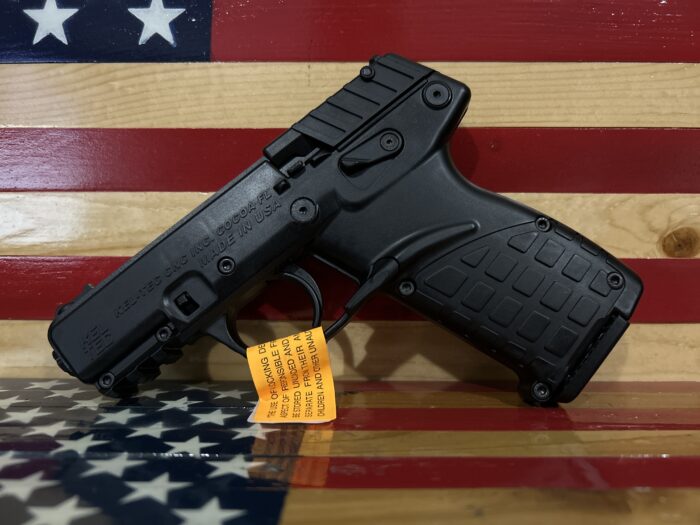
(219, 330)
(304, 278)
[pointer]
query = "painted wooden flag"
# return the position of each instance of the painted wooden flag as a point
(118, 117)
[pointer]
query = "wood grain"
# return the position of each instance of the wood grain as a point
(561, 443)
(121, 223)
(34, 286)
(509, 399)
(492, 506)
(397, 350)
(264, 95)
(597, 160)
(607, 30)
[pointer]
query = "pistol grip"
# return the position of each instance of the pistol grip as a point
(536, 296)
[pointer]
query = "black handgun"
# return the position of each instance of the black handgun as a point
(365, 183)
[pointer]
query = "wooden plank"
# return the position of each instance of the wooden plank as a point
(412, 351)
(569, 417)
(598, 160)
(121, 223)
(596, 473)
(510, 399)
(273, 95)
(492, 506)
(544, 443)
(34, 286)
(606, 30)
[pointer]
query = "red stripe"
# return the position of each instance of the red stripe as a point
(511, 419)
(648, 387)
(456, 472)
(500, 159)
(34, 286)
(517, 30)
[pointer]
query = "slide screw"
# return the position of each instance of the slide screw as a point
(367, 73)
(303, 210)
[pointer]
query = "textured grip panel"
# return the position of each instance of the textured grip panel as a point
(538, 301)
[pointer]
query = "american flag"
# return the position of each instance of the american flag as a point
(118, 117)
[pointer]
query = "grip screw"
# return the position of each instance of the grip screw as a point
(303, 210)
(543, 224)
(407, 288)
(615, 280)
(226, 265)
(541, 392)
(106, 380)
(164, 333)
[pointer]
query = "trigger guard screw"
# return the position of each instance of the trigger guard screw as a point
(164, 333)
(407, 288)
(226, 265)
(106, 380)
(541, 392)
(543, 224)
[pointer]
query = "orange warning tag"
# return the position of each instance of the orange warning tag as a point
(293, 378)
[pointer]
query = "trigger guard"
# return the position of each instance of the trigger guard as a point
(299, 275)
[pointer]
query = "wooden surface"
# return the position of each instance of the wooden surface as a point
(494, 506)
(398, 350)
(210, 95)
(177, 446)
(533, 30)
(121, 223)
(589, 111)
(34, 286)
(553, 160)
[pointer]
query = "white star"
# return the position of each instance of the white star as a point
(217, 417)
(181, 404)
(92, 404)
(46, 385)
(256, 430)
(65, 393)
(50, 20)
(26, 416)
(156, 489)
(7, 460)
(156, 19)
(209, 514)
(5, 403)
(78, 445)
(115, 466)
(192, 446)
(23, 488)
(61, 514)
(120, 417)
(232, 393)
(155, 430)
(236, 465)
(48, 430)
(152, 392)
